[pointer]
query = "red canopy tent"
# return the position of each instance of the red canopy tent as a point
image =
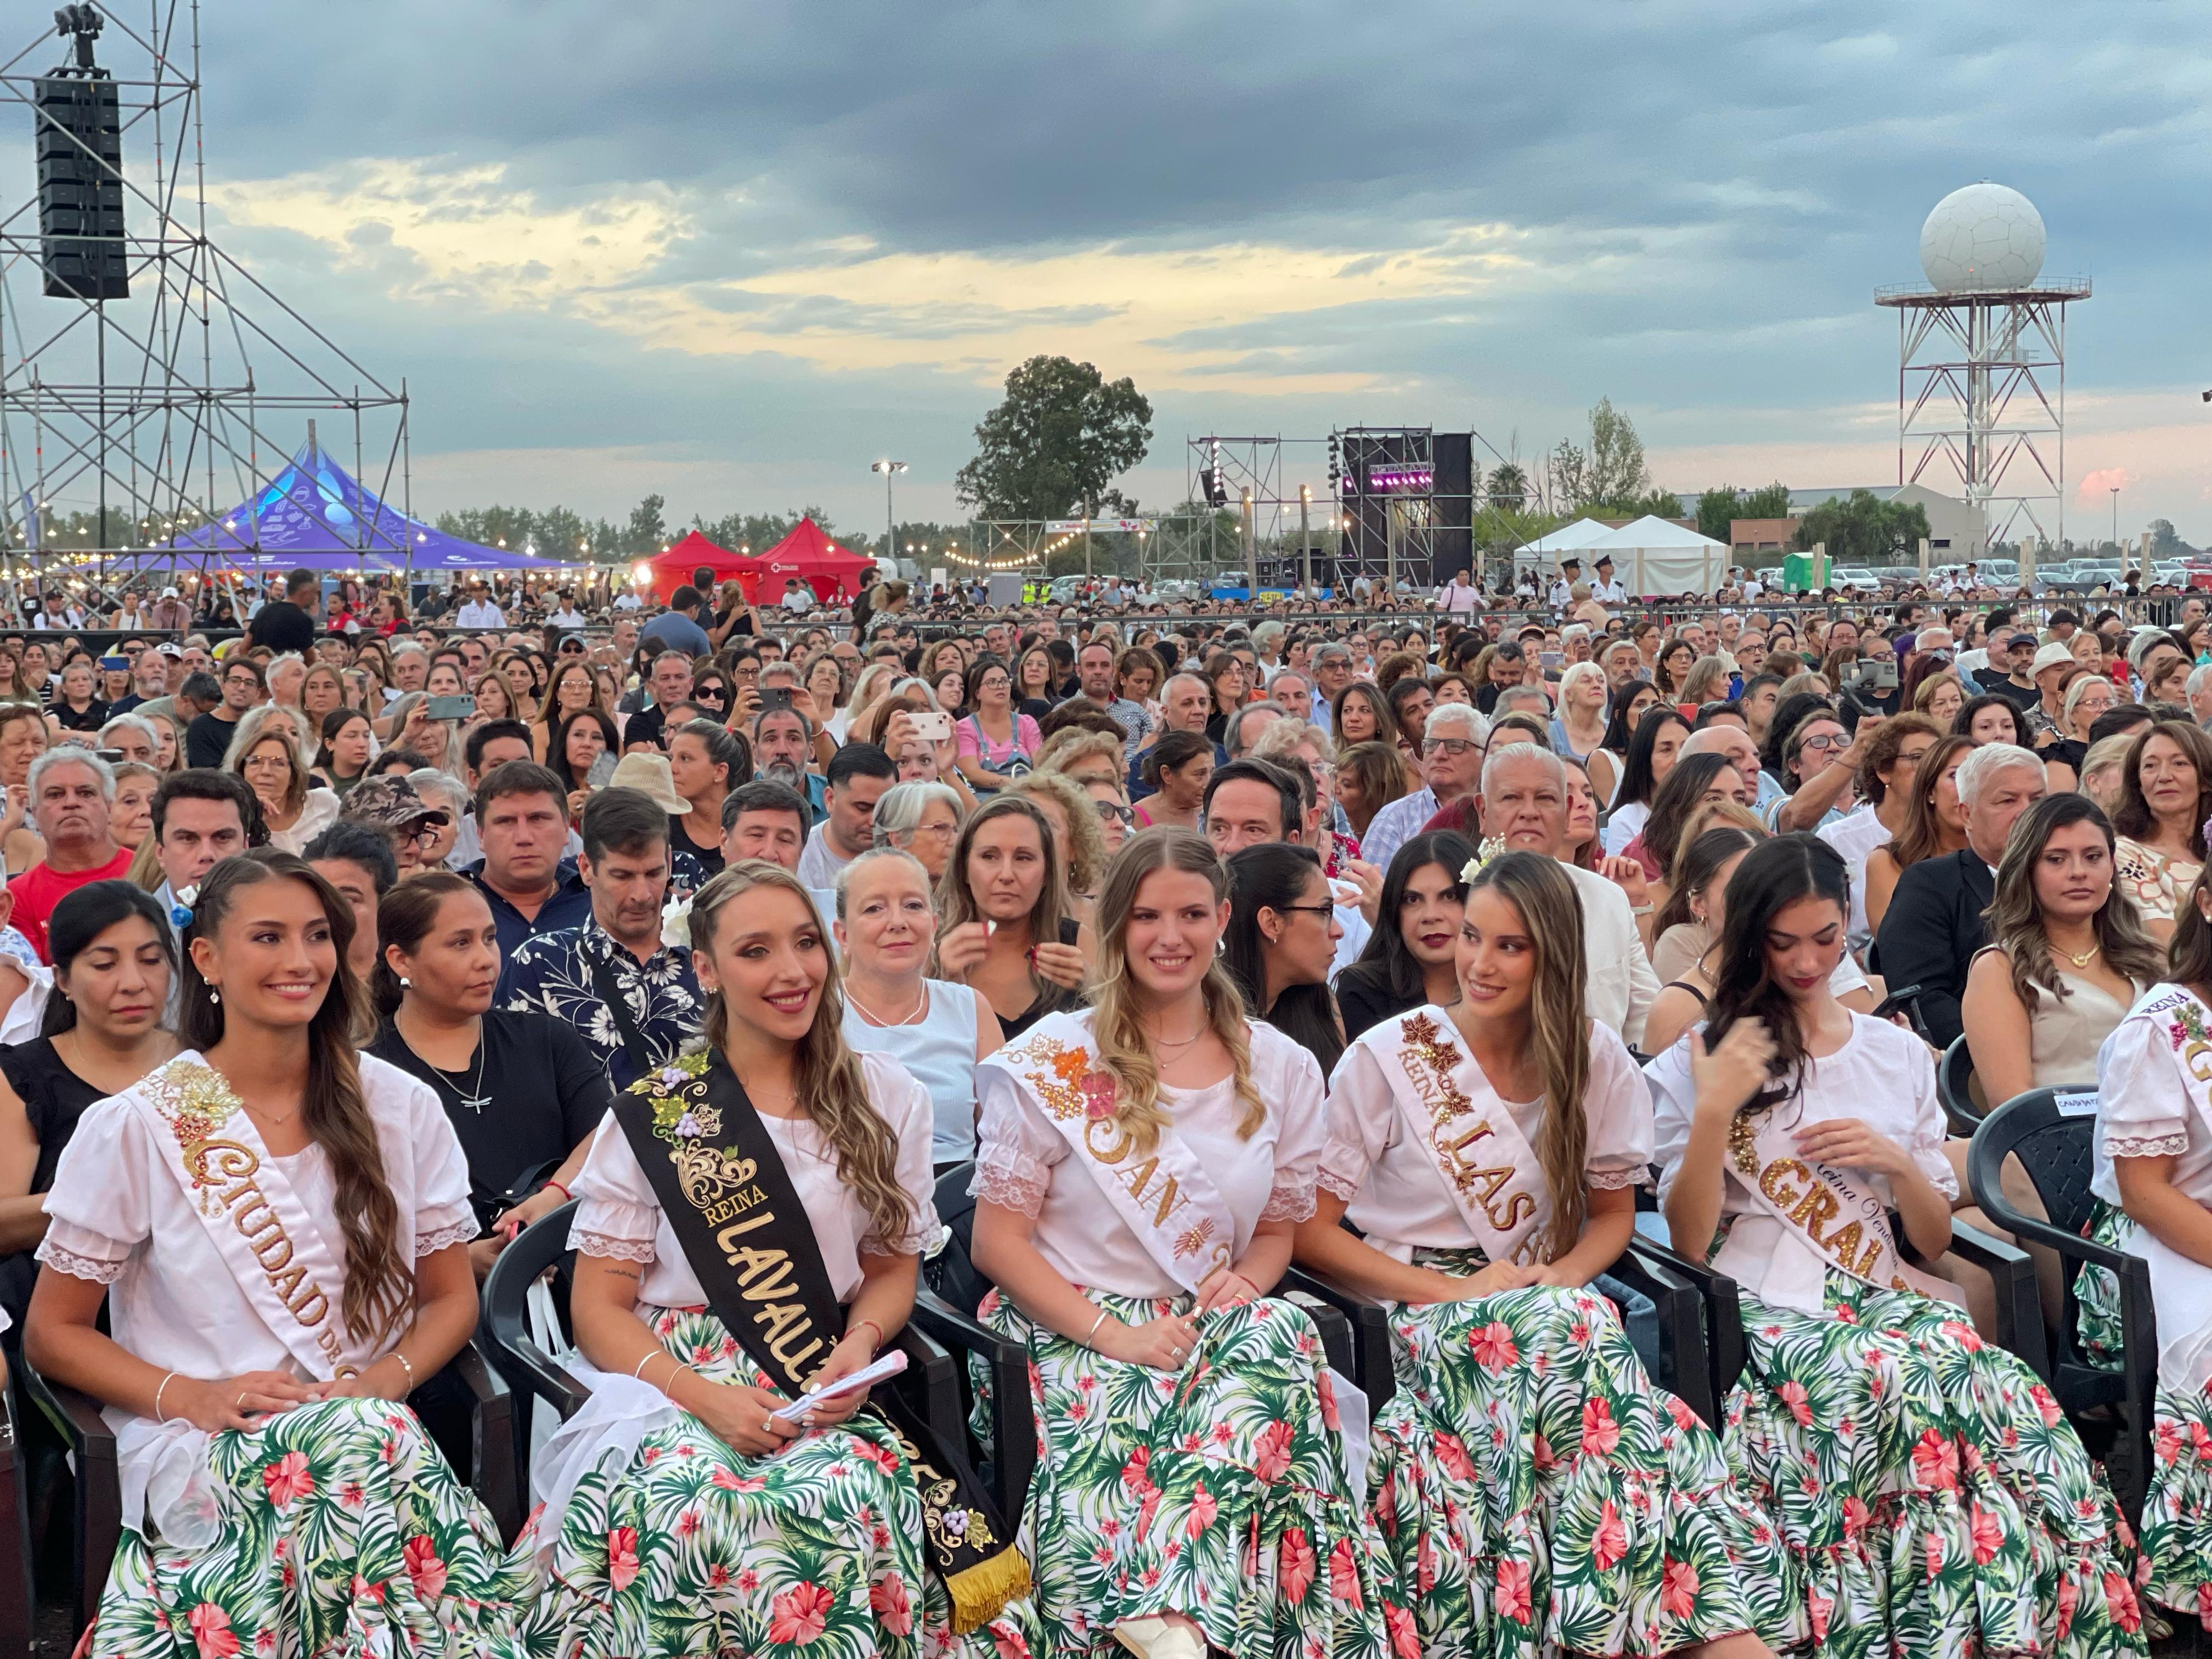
(808, 554)
(671, 570)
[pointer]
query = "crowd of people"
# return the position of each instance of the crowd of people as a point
(1422, 959)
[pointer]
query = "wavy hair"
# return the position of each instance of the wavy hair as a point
(1922, 836)
(831, 1090)
(955, 900)
(1125, 1050)
(1774, 875)
(1558, 1029)
(2014, 918)
(380, 1266)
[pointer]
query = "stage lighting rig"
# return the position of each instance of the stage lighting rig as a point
(84, 23)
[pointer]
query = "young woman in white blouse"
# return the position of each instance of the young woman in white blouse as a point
(279, 1229)
(738, 1243)
(2154, 1162)
(1140, 1167)
(1929, 1493)
(1488, 1154)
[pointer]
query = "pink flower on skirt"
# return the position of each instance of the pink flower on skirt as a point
(1935, 1461)
(2120, 1597)
(1601, 1434)
(1818, 1607)
(1493, 1345)
(2069, 1597)
(1203, 1509)
(1609, 1544)
(1424, 1567)
(1856, 1516)
(1011, 1644)
(622, 1557)
(739, 1483)
(1271, 1453)
(1678, 1590)
(1404, 1639)
(1793, 1396)
(288, 1478)
(1513, 1599)
(2046, 1406)
(1987, 1534)
(1294, 1564)
(423, 1566)
(1452, 1454)
(887, 1600)
(798, 1615)
(1328, 1416)
(211, 1632)
(1343, 1574)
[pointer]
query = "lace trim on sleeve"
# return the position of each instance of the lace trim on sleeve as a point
(1335, 1185)
(923, 1231)
(79, 1267)
(1611, 1180)
(2172, 1145)
(1289, 1201)
(610, 1249)
(1011, 1179)
(461, 1232)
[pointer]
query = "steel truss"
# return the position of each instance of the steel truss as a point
(150, 415)
(1981, 385)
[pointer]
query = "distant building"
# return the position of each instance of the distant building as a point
(1757, 542)
(1953, 534)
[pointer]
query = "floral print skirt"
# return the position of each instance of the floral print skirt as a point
(1538, 1494)
(344, 1531)
(695, 1549)
(1218, 1490)
(1933, 1498)
(2099, 1331)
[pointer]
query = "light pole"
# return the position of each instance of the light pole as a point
(891, 523)
(1305, 541)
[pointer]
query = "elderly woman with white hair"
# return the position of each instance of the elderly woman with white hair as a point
(438, 788)
(133, 736)
(264, 751)
(938, 1031)
(1301, 739)
(1578, 729)
(287, 672)
(919, 819)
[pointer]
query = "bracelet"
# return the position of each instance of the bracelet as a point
(165, 1382)
(647, 1360)
(873, 1326)
(1093, 1331)
(404, 1366)
(556, 1186)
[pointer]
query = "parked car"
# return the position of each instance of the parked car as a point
(1854, 578)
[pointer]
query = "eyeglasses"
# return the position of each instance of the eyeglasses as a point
(1454, 747)
(1314, 909)
(1112, 811)
(1825, 742)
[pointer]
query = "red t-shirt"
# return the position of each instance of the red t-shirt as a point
(40, 888)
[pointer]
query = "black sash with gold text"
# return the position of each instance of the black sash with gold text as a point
(731, 1202)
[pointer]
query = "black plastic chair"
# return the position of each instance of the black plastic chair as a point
(1955, 1087)
(487, 1459)
(17, 1598)
(2111, 1410)
(934, 1385)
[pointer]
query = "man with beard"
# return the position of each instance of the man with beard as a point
(783, 742)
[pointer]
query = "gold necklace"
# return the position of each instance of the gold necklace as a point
(920, 1003)
(2081, 961)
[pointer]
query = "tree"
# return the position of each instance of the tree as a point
(2166, 542)
(1508, 488)
(647, 533)
(1052, 448)
(1719, 508)
(1617, 472)
(1863, 529)
(1771, 502)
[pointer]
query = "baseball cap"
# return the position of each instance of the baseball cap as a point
(168, 592)
(2053, 655)
(168, 648)
(390, 804)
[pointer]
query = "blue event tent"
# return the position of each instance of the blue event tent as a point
(315, 515)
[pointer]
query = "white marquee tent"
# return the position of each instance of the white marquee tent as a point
(1654, 557)
(1569, 539)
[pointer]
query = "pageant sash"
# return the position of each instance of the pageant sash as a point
(1163, 1196)
(2181, 1289)
(730, 1201)
(1486, 1164)
(265, 1235)
(1817, 1220)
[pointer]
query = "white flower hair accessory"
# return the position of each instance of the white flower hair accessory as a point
(675, 924)
(1483, 854)
(181, 913)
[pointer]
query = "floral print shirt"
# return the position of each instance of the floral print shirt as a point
(553, 974)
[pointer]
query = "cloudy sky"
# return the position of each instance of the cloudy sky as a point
(733, 253)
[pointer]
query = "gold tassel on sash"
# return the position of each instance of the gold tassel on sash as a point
(981, 1591)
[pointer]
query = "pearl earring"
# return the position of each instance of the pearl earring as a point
(213, 995)
(405, 984)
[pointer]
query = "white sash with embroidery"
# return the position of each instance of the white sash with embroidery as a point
(2181, 1289)
(1163, 1195)
(273, 1247)
(1483, 1160)
(1810, 1218)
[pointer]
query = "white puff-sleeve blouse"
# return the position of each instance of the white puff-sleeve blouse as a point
(1022, 1162)
(619, 1217)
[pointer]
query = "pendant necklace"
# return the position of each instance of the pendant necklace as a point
(475, 1100)
(2081, 961)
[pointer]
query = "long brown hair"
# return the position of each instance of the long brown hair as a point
(380, 1268)
(2134, 818)
(2014, 918)
(831, 1090)
(1558, 1029)
(956, 899)
(1125, 1051)
(1921, 837)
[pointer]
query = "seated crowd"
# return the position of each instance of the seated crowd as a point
(1444, 968)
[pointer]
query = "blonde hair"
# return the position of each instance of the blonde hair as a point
(831, 1090)
(1086, 841)
(271, 721)
(1069, 747)
(1559, 1031)
(1125, 1052)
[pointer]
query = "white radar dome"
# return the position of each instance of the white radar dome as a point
(1982, 239)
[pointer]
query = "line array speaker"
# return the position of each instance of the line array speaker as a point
(80, 156)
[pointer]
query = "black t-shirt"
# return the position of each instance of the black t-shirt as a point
(94, 717)
(679, 840)
(1365, 999)
(2020, 697)
(207, 740)
(283, 626)
(543, 1091)
(645, 726)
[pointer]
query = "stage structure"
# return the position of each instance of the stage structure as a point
(1981, 380)
(148, 381)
